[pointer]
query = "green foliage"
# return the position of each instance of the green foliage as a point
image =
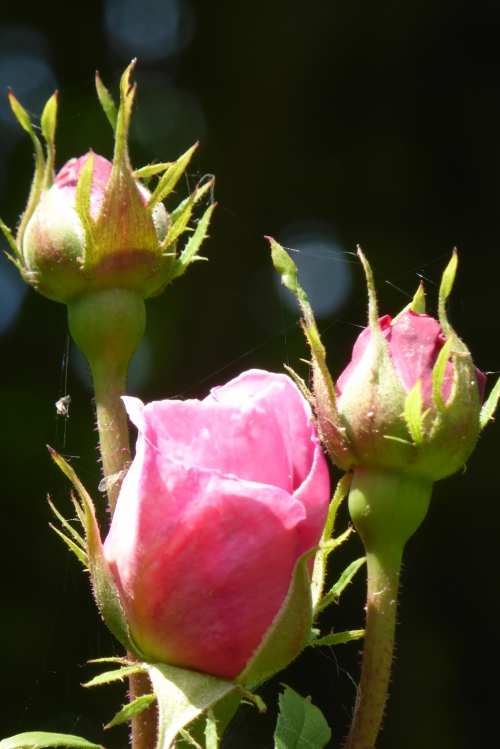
(132, 708)
(43, 739)
(301, 724)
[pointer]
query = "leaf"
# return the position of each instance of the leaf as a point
(445, 291)
(188, 254)
(10, 239)
(489, 407)
(106, 100)
(42, 739)
(182, 695)
(413, 412)
(338, 638)
(301, 725)
(133, 708)
(171, 177)
(121, 673)
(340, 585)
(198, 193)
(211, 737)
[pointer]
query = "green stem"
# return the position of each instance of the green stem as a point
(386, 508)
(107, 326)
(383, 582)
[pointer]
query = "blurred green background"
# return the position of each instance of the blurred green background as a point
(327, 124)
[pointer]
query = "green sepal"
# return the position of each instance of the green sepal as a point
(145, 172)
(445, 291)
(490, 405)
(79, 540)
(439, 372)
(43, 739)
(343, 581)
(223, 711)
(181, 215)
(413, 412)
(417, 304)
(182, 695)
(105, 590)
(18, 260)
(319, 570)
(106, 101)
(117, 675)
(48, 123)
(331, 427)
(74, 547)
(82, 204)
(301, 725)
(211, 736)
(170, 178)
(339, 638)
(188, 254)
(36, 186)
(289, 632)
(133, 708)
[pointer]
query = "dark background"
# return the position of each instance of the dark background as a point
(373, 123)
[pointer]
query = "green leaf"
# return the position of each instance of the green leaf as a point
(133, 708)
(121, 673)
(188, 255)
(489, 407)
(338, 638)
(372, 296)
(106, 100)
(343, 581)
(301, 725)
(188, 739)
(105, 590)
(439, 372)
(413, 412)
(42, 739)
(445, 291)
(182, 695)
(171, 177)
(48, 123)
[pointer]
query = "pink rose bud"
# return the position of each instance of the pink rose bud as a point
(410, 399)
(95, 226)
(222, 499)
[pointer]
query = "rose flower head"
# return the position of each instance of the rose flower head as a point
(226, 498)
(410, 399)
(95, 225)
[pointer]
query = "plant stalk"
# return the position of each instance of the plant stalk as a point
(381, 605)
(386, 507)
(107, 326)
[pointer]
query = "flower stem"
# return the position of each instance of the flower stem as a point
(107, 326)
(386, 508)
(383, 582)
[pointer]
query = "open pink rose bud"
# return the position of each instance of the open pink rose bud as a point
(223, 498)
(95, 226)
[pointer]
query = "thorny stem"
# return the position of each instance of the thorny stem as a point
(386, 507)
(107, 327)
(383, 583)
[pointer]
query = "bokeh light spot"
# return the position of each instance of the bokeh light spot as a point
(149, 29)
